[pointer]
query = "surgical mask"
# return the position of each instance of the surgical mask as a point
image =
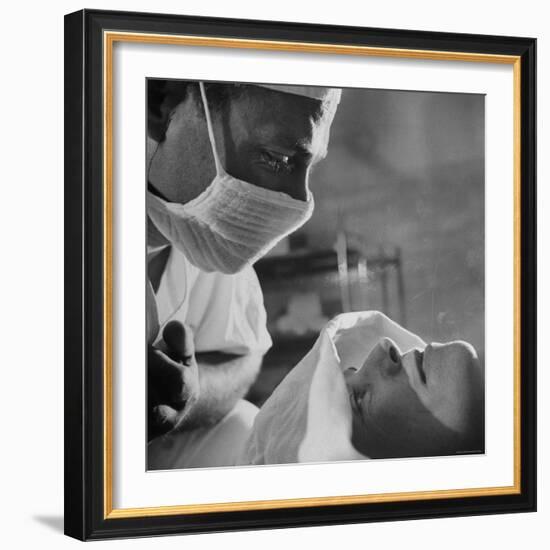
(232, 223)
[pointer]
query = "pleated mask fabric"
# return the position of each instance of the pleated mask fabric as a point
(232, 223)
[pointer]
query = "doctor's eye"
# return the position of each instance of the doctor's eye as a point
(277, 162)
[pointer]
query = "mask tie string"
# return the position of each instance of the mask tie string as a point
(219, 168)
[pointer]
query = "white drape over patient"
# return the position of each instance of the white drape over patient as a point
(308, 418)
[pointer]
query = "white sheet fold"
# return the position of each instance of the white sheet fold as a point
(308, 417)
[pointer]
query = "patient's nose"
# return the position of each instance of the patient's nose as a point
(384, 359)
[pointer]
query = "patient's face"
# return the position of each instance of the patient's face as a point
(417, 404)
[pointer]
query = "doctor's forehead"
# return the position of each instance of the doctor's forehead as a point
(291, 120)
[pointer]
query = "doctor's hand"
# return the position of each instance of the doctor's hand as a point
(172, 378)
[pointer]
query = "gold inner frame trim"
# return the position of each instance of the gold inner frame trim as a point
(109, 39)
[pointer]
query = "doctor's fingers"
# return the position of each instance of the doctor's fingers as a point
(179, 341)
(166, 379)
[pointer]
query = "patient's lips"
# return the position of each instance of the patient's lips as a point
(419, 362)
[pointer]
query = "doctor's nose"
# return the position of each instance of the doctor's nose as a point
(296, 185)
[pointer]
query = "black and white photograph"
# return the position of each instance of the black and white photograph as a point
(315, 286)
(300, 275)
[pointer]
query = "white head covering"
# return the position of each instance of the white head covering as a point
(330, 96)
(315, 92)
(308, 418)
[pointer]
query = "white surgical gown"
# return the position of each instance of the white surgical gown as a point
(226, 314)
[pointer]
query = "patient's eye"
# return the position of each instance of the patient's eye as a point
(360, 397)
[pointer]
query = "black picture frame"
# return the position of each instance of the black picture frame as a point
(85, 516)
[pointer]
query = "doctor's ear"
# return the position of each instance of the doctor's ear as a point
(163, 96)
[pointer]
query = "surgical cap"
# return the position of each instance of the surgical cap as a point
(331, 95)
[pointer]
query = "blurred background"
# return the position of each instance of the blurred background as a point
(398, 227)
